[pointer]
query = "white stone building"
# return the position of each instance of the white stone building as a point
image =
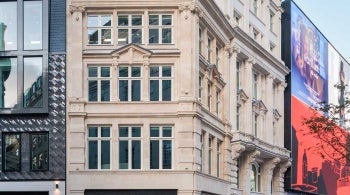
(174, 97)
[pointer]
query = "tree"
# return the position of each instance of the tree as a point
(328, 125)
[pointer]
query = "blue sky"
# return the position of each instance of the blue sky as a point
(332, 18)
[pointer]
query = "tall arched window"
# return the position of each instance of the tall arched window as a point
(255, 178)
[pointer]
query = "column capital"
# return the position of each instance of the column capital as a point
(76, 8)
(237, 150)
(252, 156)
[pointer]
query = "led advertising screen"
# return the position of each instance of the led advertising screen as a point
(319, 74)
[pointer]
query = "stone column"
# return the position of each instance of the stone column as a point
(246, 169)
(237, 150)
(278, 179)
(247, 80)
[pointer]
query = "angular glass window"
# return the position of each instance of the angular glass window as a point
(11, 152)
(8, 26)
(8, 82)
(33, 22)
(33, 82)
(39, 151)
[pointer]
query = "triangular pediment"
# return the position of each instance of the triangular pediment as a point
(259, 106)
(276, 114)
(131, 53)
(242, 96)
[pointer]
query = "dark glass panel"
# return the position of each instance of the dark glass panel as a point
(153, 36)
(105, 91)
(33, 82)
(135, 90)
(154, 90)
(167, 156)
(123, 154)
(93, 155)
(92, 90)
(123, 90)
(154, 154)
(8, 82)
(105, 155)
(166, 87)
(136, 154)
(12, 152)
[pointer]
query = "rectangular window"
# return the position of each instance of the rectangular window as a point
(129, 81)
(33, 18)
(255, 7)
(237, 17)
(217, 55)
(271, 20)
(209, 50)
(238, 110)
(255, 86)
(255, 124)
(33, 82)
(209, 96)
(99, 29)
(39, 154)
(238, 79)
(129, 147)
(8, 26)
(210, 154)
(23, 70)
(202, 149)
(160, 29)
(218, 158)
(99, 147)
(11, 152)
(200, 88)
(161, 139)
(99, 84)
(200, 41)
(130, 29)
(217, 104)
(160, 83)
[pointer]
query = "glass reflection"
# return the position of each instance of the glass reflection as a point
(39, 151)
(33, 82)
(32, 25)
(8, 26)
(12, 152)
(8, 82)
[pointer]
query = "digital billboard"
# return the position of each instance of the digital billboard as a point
(319, 74)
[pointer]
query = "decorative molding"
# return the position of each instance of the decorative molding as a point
(252, 156)
(237, 150)
(270, 166)
(276, 114)
(192, 7)
(76, 8)
(283, 167)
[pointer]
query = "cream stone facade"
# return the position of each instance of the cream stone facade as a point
(175, 97)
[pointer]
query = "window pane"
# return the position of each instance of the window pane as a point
(153, 19)
(12, 152)
(93, 36)
(135, 71)
(166, 90)
(33, 82)
(92, 90)
(123, 36)
(166, 154)
(136, 154)
(92, 71)
(154, 90)
(153, 36)
(123, 132)
(105, 20)
(8, 26)
(105, 132)
(166, 20)
(92, 154)
(8, 82)
(166, 35)
(92, 21)
(33, 23)
(154, 71)
(166, 71)
(105, 72)
(105, 91)
(136, 20)
(105, 155)
(135, 90)
(123, 90)
(39, 152)
(154, 154)
(123, 72)
(167, 131)
(154, 132)
(123, 155)
(93, 132)
(123, 21)
(136, 131)
(136, 35)
(106, 36)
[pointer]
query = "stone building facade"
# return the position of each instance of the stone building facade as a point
(174, 97)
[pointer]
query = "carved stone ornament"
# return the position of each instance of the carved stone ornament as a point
(192, 7)
(252, 156)
(272, 164)
(76, 8)
(237, 150)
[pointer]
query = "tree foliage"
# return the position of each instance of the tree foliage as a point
(328, 125)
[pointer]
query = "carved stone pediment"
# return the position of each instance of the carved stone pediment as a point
(276, 114)
(242, 96)
(259, 106)
(131, 53)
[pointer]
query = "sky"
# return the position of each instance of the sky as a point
(332, 18)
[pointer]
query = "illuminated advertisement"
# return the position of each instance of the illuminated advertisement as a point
(319, 74)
